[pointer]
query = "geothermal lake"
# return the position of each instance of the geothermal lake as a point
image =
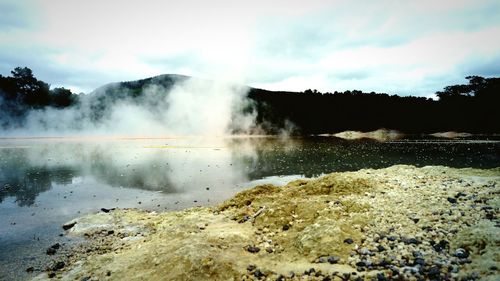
(45, 182)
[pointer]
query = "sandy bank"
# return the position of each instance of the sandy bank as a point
(379, 135)
(401, 223)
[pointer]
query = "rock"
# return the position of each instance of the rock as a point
(348, 241)
(365, 251)
(253, 249)
(411, 241)
(417, 254)
(51, 251)
(438, 247)
(381, 276)
(30, 269)
(311, 271)
(322, 260)
(490, 216)
(391, 238)
(107, 210)
(461, 253)
(286, 227)
(52, 274)
(451, 200)
(433, 272)
(380, 248)
(361, 263)
(68, 225)
(58, 265)
(419, 261)
(257, 273)
(244, 219)
(333, 259)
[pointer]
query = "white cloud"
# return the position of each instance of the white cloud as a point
(295, 45)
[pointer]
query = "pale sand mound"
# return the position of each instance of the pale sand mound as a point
(451, 135)
(401, 223)
(379, 135)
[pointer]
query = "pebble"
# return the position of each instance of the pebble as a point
(411, 241)
(391, 238)
(257, 273)
(442, 245)
(348, 241)
(333, 259)
(51, 251)
(68, 225)
(381, 276)
(253, 249)
(107, 210)
(310, 271)
(58, 265)
(461, 253)
(419, 261)
(434, 272)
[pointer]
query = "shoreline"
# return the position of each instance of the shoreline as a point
(400, 222)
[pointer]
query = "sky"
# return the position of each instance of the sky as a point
(398, 47)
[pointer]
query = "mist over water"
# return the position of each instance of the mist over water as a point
(190, 107)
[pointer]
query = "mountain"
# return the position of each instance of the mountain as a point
(472, 108)
(464, 108)
(135, 88)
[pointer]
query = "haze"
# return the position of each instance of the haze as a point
(398, 47)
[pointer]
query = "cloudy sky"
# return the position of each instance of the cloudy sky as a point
(394, 46)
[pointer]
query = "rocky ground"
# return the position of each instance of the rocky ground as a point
(398, 223)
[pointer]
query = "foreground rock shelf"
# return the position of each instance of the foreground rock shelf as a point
(402, 223)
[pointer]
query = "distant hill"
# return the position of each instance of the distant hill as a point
(135, 88)
(472, 107)
(467, 108)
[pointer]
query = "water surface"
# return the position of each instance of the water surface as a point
(46, 182)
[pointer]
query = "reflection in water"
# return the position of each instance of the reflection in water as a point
(25, 185)
(28, 168)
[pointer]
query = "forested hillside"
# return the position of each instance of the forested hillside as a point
(471, 107)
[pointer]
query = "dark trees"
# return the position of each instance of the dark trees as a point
(22, 92)
(469, 108)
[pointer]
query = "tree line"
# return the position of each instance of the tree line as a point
(471, 107)
(22, 92)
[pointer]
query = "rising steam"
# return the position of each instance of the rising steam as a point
(190, 107)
